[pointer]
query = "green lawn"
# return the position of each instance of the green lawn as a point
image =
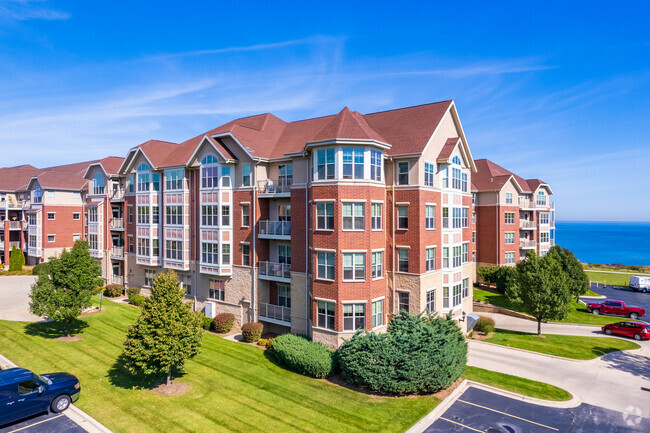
(609, 278)
(567, 346)
(577, 314)
(530, 388)
(234, 387)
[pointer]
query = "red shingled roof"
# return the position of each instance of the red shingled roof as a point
(490, 176)
(16, 178)
(448, 149)
(348, 124)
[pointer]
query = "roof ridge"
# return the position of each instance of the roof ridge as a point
(411, 106)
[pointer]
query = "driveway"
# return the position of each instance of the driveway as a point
(624, 294)
(484, 411)
(14, 298)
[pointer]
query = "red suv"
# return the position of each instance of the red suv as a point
(636, 330)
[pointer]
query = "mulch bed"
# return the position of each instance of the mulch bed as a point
(71, 338)
(176, 388)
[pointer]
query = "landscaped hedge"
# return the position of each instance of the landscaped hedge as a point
(207, 323)
(113, 290)
(252, 331)
(501, 276)
(137, 300)
(223, 323)
(132, 291)
(418, 354)
(304, 356)
(484, 324)
(41, 267)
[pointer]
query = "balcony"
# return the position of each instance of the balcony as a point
(117, 279)
(117, 194)
(15, 225)
(526, 244)
(275, 271)
(527, 225)
(15, 204)
(280, 187)
(14, 244)
(274, 314)
(117, 224)
(275, 230)
(117, 253)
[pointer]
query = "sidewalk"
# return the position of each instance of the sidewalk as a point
(516, 324)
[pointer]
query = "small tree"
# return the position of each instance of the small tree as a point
(540, 288)
(16, 260)
(577, 279)
(167, 332)
(66, 289)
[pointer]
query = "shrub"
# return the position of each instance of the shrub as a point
(223, 323)
(252, 331)
(304, 356)
(137, 300)
(132, 291)
(113, 290)
(269, 343)
(418, 354)
(41, 267)
(501, 276)
(484, 324)
(207, 323)
(16, 260)
(262, 342)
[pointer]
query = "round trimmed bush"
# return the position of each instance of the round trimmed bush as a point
(207, 323)
(137, 300)
(132, 291)
(41, 268)
(484, 324)
(304, 356)
(113, 290)
(223, 322)
(418, 354)
(252, 331)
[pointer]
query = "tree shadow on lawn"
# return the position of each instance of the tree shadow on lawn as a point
(119, 376)
(53, 329)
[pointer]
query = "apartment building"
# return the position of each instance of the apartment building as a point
(513, 215)
(320, 226)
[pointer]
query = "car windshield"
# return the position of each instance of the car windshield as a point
(44, 379)
(647, 327)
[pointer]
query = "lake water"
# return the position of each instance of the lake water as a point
(626, 243)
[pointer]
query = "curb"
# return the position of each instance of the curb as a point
(532, 352)
(81, 418)
(432, 416)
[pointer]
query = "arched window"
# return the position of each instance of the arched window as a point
(456, 160)
(209, 175)
(38, 195)
(541, 198)
(98, 188)
(144, 177)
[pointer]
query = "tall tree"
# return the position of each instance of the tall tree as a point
(67, 290)
(577, 278)
(166, 333)
(540, 287)
(16, 259)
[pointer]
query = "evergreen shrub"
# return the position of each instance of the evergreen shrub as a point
(16, 260)
(41, 267)
(207, 323)
(304, 356)
(252, 331)
(113, 290)
(137, 300)
(132, 291)
(484, 324)
(223, 323)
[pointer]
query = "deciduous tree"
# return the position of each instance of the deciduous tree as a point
(166, 333)
(64, 292)
(577, 278)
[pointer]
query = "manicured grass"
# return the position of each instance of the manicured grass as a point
(527, 387)
(577, 313)
(610, 278)
(234, 386)
(567, 346)
(27, 270)
(591, 293)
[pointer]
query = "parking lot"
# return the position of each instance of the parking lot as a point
(46, 423)
(477, 410)
(626, 295)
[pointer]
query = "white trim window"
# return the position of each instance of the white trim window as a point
(377, 313)
(465, 288)
(402, 217)
(544, 237)
(455, 178)
(325, 164)
(93, 243)
(143, 214)
(464, 219)
(509, 238)
(464, 182)
(445, 297)
(508, 198)
(246, 255)
(457, 256)
(403, 302)
(375, 210)
(544, 218)
(209, 215)
(174, 215)
(431, 300)
(225, 215)
(457, 219)
(209, 172)
(456, 300)
(444, 171)
(174, 180)
(430, 217)
(225, 176)
(98, 184)
(210, 253)
(403, 259)
(325, 265)
(541, 198)
(403, 173)
(353, 216)
(354, 266)
(445, 217)
(155, 215)
(245, 215)
(445, 257)
(246, 175)
(325, 315)
(375, 164)
(144, 177)
(473, 218)
(92, 214)
(143, 247)
(174, 250)
(509, 258)
(430, 260)
(465, 252)
(354, 317)
(284, 295)
(149, 276)
(377, 264)
(325, 216)
(509, 217)
(217, 290)
(225, 254)
(428, 174)
(353, 163)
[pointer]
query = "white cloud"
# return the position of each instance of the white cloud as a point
(24, 10)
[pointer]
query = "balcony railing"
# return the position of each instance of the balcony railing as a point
(271, 229)
(117, 252)
(117, 223)
(117, 279)
(14, 244)
(15, 225)
(525, 224)
(281, 185)
(526, 243)
(275, 313)
(275, 271)
(117, 194)
(15, 204)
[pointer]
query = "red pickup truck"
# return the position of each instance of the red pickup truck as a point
(615, 308)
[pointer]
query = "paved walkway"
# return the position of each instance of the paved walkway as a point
(14, 298)
(614, 381)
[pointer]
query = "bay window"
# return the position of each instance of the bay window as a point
(354, 266)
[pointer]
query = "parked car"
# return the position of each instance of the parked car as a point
(24, 394)
(615, 308)
(640, 284)
(636, 330)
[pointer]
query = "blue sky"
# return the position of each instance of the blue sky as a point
(555, 90)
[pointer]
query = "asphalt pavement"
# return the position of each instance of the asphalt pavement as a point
(625, 294)
(45, 423)
(483, 411)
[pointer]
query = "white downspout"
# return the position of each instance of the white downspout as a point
(254, 259)
(395, 300)
(307, 222)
